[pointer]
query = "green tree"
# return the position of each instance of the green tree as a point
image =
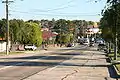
(33, 35)
(2, 28)
(110, 22)
(14, 29)
(107, 25)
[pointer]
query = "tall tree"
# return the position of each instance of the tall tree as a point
(111, 22)
(33, 34)
(2, 28)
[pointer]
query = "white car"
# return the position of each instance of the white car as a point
(86, 41)
(30, 47)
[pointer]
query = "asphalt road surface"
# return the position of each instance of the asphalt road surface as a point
(74, 63)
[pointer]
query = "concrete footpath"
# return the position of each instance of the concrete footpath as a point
(91, 65)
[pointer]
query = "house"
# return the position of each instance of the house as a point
(48, 34)
(92, 29)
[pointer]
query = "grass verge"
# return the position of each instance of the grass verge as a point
(10, 53)
(117, 66)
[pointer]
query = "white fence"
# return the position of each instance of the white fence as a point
(3, 46)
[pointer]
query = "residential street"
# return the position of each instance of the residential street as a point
(60, 40)
(75, 63)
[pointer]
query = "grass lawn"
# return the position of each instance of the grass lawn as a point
(118, 67)
(10, 53)
(111, 55)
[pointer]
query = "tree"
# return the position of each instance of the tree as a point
(33, 35)
(110, 23)
(14, 30)
(25, 32)
(2, 28)
(113, 1)
(107, 25)
(17, 29)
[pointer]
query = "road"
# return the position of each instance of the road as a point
(78, 63)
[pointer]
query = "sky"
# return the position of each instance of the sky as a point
(87, 10)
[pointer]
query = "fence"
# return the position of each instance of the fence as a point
(3, 46)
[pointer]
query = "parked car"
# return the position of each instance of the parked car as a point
(70, 45)
(81, 40)
(102, 46)
(30, 47)
(86, 41)
(91, 44)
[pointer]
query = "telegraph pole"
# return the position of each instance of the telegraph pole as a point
(7, 26)
(116, 44)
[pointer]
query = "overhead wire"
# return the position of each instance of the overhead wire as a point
(57, 14)
(54, 14)
(39, 10)
(62, 6)
(59, 7)
(67, 2)
(93, 1)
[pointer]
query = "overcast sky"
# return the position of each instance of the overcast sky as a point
(58, 9)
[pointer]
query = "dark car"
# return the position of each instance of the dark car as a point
(91, 44)
(70, 45)
(102, 47)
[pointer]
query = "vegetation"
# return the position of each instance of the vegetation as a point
(2, 28)
(111, 55)
(11, 53)
(22, 32)
(110, 22)
(29, 32)
(33, 34)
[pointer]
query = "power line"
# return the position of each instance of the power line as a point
(62, 6)
(93, 1)
(54, 14)
(67, 2)
(53, 9)
(71, 13)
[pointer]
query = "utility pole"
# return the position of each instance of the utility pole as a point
(7, 25)
(116, 44)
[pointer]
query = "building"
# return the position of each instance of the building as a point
(48, 34)
(92, 30)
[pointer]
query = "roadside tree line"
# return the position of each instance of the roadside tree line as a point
(29, 32)
(110, 22)
(22, 32)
